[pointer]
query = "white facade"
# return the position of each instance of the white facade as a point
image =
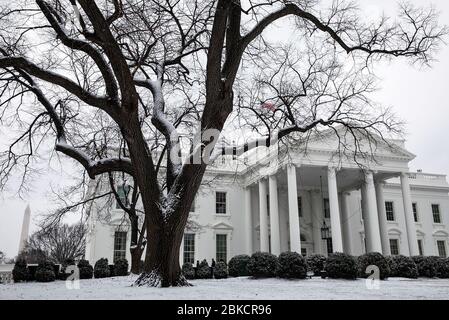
(278, 201)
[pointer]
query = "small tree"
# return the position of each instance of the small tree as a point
(238, 265)
(220, 270)
(59, 243)
(315, 263)
(86, 270)
(291, 265)
(121, 267)
(45, 272)
(188, 271)
(204, 271)
(20, 272)
(373, 259)
(101, 268)
(262, 265)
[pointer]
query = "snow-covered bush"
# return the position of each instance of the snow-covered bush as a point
(443, 268)
(375, 259)
(238, 266)
(20, 272)
(427, 266)
(86, 270)
(341, 266)
(315, 263)
(101, 268)
(402, 266)
(291, 265)
(221, 270)
(45, 272)
(188, 271)
(121, 267)
(204, 271)
(262, 265)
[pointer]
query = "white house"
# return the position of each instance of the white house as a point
(277, 199)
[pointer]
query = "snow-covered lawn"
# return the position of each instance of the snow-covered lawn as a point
(233, 288)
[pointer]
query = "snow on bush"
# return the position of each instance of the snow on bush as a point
(402, 266)
(221, 270)
(121, 267)
(45, 272)
(427, 266)
(341, 266)
(188, 271)
(86, 270)
(203, 271)
(238, 266)
(20, 272)
(101, 268)
(315, 263)
(291, 265)
(262, 265)
(373, 259)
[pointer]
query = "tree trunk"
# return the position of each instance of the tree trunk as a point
(136, 249)
(136, 256)
(162, 267)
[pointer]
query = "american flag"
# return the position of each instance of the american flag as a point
(268, 105)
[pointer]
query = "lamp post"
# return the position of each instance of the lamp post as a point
(325, 232)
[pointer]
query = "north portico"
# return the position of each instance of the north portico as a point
(314, 200)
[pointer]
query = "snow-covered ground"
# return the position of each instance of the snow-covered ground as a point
(233, 288)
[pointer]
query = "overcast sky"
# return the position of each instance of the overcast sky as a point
(418, 96)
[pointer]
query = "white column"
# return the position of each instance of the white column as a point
(248, 222)
(382, 219)
(293, 215)
(317, 220)
(263, 216)
(372, 232)
(345, 216)
(337, 242)
(409, 219)
(274, 216)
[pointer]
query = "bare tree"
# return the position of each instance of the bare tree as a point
(59, 244)
(151, 72)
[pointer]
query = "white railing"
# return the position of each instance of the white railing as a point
(6, 277)
(427, 176)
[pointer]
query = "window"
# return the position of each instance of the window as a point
(389, 210)
(119, 245)
(300, 206)
(222, 247)
(123, 192)
(327, 212)
(441, 244)
(394, 247)
(192, 207)
(189, 248)
(415, 211)
(220, 202)
(329, 245)
(420, 247)
(436, 213)
(303, 252)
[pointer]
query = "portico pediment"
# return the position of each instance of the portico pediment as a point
(222, 226)
(440, 233)
(330, 141)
